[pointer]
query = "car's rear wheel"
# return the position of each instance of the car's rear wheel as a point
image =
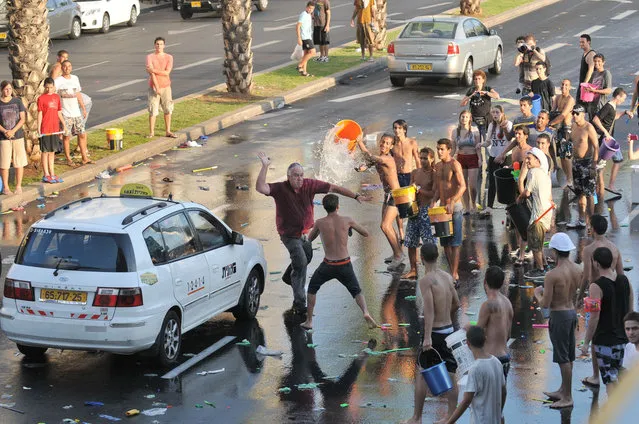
(467, 77)
(261, 5)
(32, 351)
(76, 29)
(499, 58)
(186, 12)
(106, 24)
(133, 17)
(398, 81)
(169, 341)
(250, 299)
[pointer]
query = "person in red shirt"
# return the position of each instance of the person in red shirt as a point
(159, 66)
(294, 219)
(50, 120)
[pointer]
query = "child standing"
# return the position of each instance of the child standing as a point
(49, 121)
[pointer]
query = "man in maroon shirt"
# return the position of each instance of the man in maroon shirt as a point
(294, 218)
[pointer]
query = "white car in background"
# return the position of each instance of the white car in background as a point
(102, 14)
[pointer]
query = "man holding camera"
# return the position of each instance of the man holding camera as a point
(529, 55)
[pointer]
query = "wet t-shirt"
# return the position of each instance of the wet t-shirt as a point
(480, 105)
(601, 80)
(10, 115)
(294, 211)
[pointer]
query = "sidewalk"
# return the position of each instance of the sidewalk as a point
(141, 152)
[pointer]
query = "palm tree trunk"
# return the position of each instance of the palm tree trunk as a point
(28, 55)
(237, 34)
(380, 19)
(470, 7)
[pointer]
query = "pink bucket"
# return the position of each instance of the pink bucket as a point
(587, 96)
(608, 148)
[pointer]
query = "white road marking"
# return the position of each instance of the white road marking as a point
(616, 1)
(342, 5)
(90, 66)
(554, 46)
(510, 341)
(281, 27)
(168, 45)
(286, 18)
(124, 84)
(430, 6)
(187, 30)
(198, 63)
(268, 43)
(590, 30)
(450, 96)
(623, 15)
(365, 94)
(337, 26)
(199, 357)
(393, 14)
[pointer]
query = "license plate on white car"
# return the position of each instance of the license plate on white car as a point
(3, 35)
(63, 296)
(420, 67)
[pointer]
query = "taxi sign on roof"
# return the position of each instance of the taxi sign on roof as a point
(136, 190)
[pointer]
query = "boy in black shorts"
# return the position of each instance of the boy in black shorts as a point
(50, 120)
(334, 230)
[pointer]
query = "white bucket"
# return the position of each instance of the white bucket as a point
(464, 357)
(634, 177)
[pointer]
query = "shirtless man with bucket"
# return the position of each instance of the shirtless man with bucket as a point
(440, 304)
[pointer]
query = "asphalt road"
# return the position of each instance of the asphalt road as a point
(111, 66)
(379, 388)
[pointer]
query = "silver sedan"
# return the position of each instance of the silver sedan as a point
(444, 46)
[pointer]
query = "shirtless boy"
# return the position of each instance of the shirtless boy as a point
(519, 155)
(419, 226)
(496, 317)
(404, 151)
(387, 170)
(562, 107)
(56, 68)
(440, 305)
(599, 226)
(449, 188)
(585, 148)
(334, 229)
(558, 293)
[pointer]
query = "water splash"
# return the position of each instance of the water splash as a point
(337, 164)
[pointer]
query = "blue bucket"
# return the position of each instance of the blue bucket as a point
(536, 104)
(437, 378)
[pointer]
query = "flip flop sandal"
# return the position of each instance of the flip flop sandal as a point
(167, 180)
(519, 262)
(306, 74)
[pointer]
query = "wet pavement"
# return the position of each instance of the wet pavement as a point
(352, 387)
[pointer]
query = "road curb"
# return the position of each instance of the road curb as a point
(162, 144)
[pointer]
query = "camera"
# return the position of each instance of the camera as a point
(523, 48)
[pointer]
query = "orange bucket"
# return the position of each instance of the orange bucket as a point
(349, 130)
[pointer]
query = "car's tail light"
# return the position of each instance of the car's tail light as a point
(123, 298)
(391, 49)
(453, 48)
(19, 290)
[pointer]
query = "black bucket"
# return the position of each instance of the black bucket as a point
(520, 216)
(506, 186)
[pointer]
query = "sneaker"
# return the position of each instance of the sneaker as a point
(47, 179)
(56, 179)
(535, 274)
(318, 59)
(388, 260)
(192, 143)
(325, 59)
(579, 224)
(396, 264)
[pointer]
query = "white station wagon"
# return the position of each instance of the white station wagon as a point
(127, 274)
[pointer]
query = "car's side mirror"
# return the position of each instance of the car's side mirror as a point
(493, 32)
(237, 238)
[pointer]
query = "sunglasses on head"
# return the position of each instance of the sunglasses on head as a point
(576, 113)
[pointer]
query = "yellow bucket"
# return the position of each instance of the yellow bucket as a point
(441, 221)
(114, 138)
(404, 198)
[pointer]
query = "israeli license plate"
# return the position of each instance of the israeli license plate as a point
(420, 67)
(63, 296)
(196, 4)
(3, 35)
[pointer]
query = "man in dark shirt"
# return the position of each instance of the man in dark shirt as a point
(543, 86)
(612, 298)
(294, 219)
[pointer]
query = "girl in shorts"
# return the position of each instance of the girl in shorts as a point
(466, 143)
(12, 118)
(497, 140)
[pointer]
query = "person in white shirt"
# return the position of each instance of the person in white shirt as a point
(304, 30)
(73, 111)
(631, 353)
(485, 391)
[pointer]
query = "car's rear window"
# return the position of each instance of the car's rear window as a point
(429, 29)
(76, 250)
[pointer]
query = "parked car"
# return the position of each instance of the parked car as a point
(64, 20)
(188, 8)
(444, 46)
(127, 274)
(102, 14)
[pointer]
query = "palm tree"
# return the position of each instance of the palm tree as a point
(28, 55)
(237, 34)
(380, 20)
(470, 7)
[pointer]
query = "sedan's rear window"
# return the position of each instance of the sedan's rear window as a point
(430, 29)
(75, 250)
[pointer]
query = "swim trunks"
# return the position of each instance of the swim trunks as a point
(404, 179)
(418, 227)
(341, 270)
(583, 177)
(562, 327)
(609, 359)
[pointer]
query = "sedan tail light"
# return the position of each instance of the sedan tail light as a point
(453, 49)
(391, 49)
(19, 290)
(122, 298)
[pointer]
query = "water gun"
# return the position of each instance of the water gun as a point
(516, 171)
